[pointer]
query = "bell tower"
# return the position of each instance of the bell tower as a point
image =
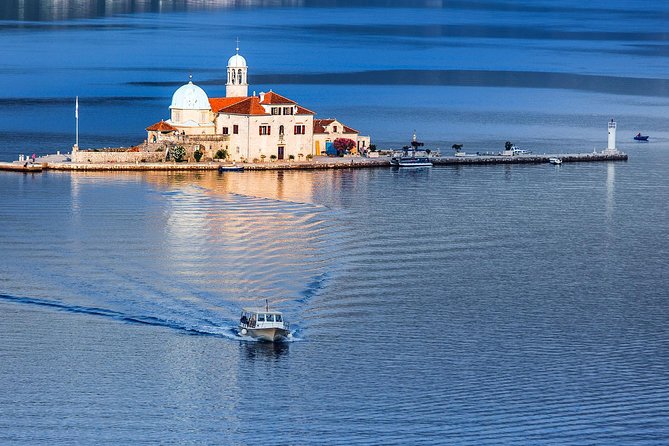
(238, 82)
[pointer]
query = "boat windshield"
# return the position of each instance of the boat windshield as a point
(270, 318)
(278, 317)
(261, 317)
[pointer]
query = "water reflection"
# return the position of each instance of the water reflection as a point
(610, 188)
(264, 350)
(47, 10)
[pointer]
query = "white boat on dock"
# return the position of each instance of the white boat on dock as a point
(554, 160)
(264, 324)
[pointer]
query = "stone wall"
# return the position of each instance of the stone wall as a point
(116, 156)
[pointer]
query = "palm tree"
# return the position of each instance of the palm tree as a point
(457, 147)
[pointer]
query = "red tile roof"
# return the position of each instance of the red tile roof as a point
(304, 111)
(319, 125)
(348, 129)
(272, 98)
(219, 103)
(161, 126)
(247, 106)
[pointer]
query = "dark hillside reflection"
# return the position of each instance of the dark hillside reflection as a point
(45, 10)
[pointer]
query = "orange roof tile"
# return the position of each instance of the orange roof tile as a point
(247, 106)
(348, 129)
(304, 111)
(319, 125)
(219, 103)
(161, 126)
(272, 98)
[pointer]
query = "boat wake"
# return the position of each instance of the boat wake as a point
(207, 256)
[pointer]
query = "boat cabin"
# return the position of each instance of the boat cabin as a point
(261, 318)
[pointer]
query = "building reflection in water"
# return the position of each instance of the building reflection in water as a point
(241, 237)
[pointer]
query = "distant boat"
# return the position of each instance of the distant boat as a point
(554, 160)
(640, 137)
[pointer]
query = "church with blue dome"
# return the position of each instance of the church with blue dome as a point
(246, 128)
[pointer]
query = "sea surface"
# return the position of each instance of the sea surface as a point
(517, 304)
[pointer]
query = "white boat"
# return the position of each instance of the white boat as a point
(414, 161)
(411, 156)
(554, 160)
(264, 324)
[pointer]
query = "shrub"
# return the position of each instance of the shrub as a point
(291, 157)
(221, 154)
(197, 155)
(343, 145)
(310, 156)
(272, 157)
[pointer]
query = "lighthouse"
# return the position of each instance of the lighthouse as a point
(612, 137)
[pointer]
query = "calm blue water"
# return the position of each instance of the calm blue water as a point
(470, 305)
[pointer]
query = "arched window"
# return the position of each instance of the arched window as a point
(234, 77)
(240, 76)
(281, 130)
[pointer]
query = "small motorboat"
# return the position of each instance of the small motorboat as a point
(640, 137)
(554, 160)
(264, 324)
(230, 168)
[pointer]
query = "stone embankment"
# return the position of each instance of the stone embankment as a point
(317, 163)
(530, 159)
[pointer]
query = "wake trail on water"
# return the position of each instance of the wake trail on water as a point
(201, 259)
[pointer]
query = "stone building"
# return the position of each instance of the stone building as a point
(247, 128)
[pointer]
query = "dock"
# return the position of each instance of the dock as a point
(315, 164)
(21, 167)
(530, 159)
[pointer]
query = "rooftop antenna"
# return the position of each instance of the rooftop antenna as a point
(266, 305)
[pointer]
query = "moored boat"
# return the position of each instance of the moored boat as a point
(411, 156)
(231, 168)
(264, 324)
(555, 160)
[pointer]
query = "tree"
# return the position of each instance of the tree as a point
(197, 155)
(221, 154)
(457, 147)
(343, 145)
(372, 147)
(508, 145)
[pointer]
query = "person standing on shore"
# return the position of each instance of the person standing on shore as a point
(33, 157)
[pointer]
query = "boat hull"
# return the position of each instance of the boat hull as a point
(641, 138)
(419, 164)
(273, 334)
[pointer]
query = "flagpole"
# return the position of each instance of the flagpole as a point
(76, 115)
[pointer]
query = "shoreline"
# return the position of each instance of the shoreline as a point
(324, 163)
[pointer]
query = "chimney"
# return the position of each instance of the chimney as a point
(262, 96)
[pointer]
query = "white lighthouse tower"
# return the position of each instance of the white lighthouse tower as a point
(611, 148)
